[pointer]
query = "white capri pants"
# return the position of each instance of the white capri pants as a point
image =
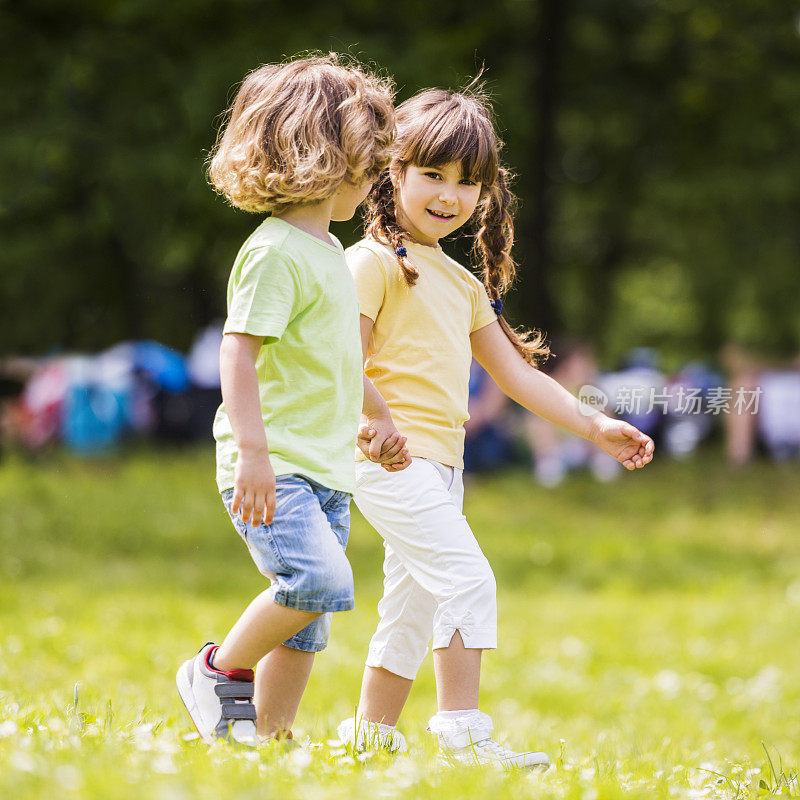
(437, 580)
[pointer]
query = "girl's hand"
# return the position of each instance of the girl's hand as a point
(627, 444)
(254, 487)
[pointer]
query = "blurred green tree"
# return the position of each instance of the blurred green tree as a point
(654, 141)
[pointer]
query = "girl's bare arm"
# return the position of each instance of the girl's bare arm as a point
(545, 397)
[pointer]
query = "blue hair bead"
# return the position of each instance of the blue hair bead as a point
(497, 305)
(402, 252)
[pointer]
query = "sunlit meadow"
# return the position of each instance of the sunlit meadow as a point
(650, 637)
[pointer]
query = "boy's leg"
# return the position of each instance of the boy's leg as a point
(282, 674)
(302, 554)
(281, 678)
(303, 557)
(217, 692)
(262, 627)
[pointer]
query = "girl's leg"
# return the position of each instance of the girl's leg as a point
(383, 695)
(458, 675)
(437, 579)
(398, 645)
(281, 678)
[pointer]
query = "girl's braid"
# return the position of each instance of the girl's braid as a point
(492, 246)
(495, 237)
(384, 226)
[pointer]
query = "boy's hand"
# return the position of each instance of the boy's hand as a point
(632, 448)
(381, 443)
(254, 487)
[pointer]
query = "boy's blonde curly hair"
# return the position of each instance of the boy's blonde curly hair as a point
(296, 130)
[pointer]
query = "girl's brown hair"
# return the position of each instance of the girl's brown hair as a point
(435, 128)
(296, 130)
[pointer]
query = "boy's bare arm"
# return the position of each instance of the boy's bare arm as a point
(254, 479)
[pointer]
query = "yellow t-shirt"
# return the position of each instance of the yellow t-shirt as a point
(419, 353)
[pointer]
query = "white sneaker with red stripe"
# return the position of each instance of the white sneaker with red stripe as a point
(219, 703)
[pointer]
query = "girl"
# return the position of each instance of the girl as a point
(303, 142)
(423, 318)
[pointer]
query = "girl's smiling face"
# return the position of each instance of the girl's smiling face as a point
(432, 202)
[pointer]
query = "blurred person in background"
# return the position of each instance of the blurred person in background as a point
(488, 443)
(554, 451)
(688, 403)
(631, 388)
(768, 413)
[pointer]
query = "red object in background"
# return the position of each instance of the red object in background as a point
(37, 414)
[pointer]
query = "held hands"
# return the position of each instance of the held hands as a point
(379, 441)
(628, 445)
(254, 487)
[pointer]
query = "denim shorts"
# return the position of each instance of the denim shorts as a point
(302, 553)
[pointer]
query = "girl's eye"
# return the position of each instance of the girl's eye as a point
(432, 175)
(468, 182)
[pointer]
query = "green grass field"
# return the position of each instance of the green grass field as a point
(649, 637)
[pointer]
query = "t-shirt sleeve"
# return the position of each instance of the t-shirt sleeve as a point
(369, 274)
(265, 294)
(483, 313)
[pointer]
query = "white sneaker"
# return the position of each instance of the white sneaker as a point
(467, 740)
(219, 703)
(365, 735)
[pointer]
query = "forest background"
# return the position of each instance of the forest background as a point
(654, 143)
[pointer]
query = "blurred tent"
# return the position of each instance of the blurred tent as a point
(91, 402)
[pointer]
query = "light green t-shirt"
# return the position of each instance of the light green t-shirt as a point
(296, 291)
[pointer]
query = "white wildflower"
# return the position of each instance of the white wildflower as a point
(573, 647)
(300, 758)
(68, 777)
(668, 682)
(22, 762)
(163, 764)
(793, 593)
